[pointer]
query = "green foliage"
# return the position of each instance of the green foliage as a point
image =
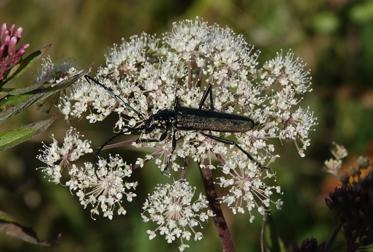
(20, 99)
(16, 136)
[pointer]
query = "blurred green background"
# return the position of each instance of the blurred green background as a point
(335, 39)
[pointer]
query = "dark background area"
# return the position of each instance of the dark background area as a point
(335, 39)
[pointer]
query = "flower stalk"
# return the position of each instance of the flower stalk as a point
(219, 220)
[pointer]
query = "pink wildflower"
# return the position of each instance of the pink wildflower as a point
(9, 54)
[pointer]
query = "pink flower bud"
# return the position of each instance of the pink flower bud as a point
(9, 54)
(6, 40)
(25, 46)
(3, 31)
(21, 50)
(12, 29)
(12, 46)
(18, 33)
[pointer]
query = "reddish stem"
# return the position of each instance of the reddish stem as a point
(219, 220)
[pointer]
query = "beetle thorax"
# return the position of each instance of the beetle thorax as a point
(161, 120)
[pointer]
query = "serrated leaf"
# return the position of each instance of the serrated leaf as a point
(13, 137)
(10, 227)
(18, 91)
(42, 87)
(13, 104)
(11, 101)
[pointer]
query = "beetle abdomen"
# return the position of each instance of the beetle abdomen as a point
(193, 119)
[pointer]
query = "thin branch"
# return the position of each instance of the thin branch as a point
(219, 220)
(262, 236)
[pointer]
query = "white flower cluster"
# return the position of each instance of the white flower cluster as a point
(247, 186)
(102, 186)
(333, 165)
(177, 216)
(56, 157)
(148, 74)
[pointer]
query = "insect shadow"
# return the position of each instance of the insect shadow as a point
(182, 118)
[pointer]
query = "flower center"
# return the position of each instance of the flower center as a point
(174, 212)
(242, 181)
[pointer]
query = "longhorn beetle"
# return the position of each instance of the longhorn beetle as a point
(187, 119)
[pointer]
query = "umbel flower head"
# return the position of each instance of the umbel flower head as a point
(177, 216)
(103, 187)
(10, 55)
(57, 156)
(100, 186)
(148, 73)
(247, 186)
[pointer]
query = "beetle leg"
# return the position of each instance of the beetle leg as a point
(107, 142)
(204, 97)
(111, 91)
(173, 140)
(127, 129)
(230, 142)
(177, 102)
(169, 163)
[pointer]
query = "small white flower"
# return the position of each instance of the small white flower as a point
(339, 151)
(247, 188)
(103, 186)
(57, 156)
(177, 216)
(333, 166)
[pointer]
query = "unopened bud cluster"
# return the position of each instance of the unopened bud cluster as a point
(10, 55)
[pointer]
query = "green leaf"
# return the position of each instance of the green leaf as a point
(18, 91)
(13, 137)
(17, 100)
(11, 101)
(11, 105)
(10, 227)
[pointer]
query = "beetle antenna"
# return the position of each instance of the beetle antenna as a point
(111, 91)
